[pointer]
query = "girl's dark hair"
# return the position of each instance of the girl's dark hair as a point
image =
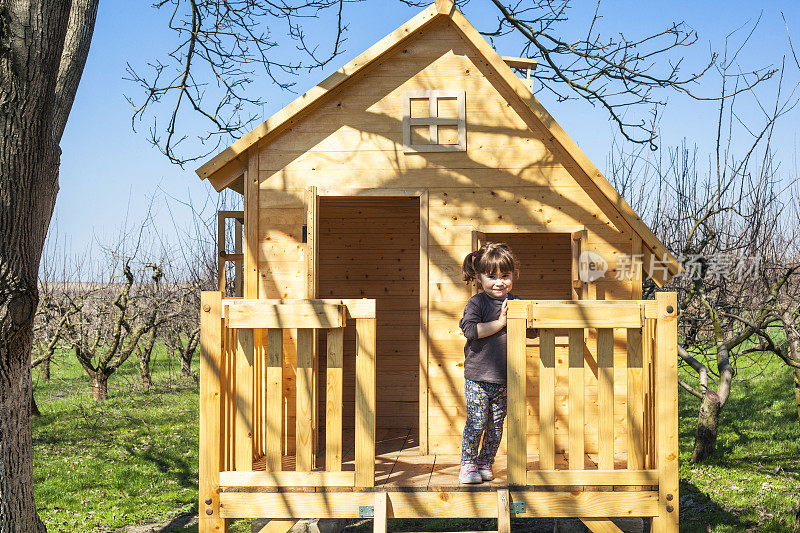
(490, 258)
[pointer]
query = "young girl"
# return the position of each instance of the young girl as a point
(494, 267)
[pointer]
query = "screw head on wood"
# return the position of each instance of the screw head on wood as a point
(209, 511)
(670, 309)
(209, 500)
(669, 497)
(206, 308)
(670, 508)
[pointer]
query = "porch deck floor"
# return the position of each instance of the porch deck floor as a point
(399, 465)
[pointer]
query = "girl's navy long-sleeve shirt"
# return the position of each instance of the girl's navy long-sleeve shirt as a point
(484, 358)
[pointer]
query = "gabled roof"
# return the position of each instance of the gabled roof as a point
(226, 167)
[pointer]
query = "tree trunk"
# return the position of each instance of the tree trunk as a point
(186, 363)
(793, 352)
(45, 372)
(32, 37)
(144, 371)
(707, 425)
(797, 392)
(100, 387)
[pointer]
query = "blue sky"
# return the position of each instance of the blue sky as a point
(108, 170)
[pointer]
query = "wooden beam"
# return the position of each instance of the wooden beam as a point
(304, 395)
(380, 513)
(601, 525)
(503, 511)
(667, 412)
(274, 411)
(333, 400)
(517, 419)
(365, 402)
(243, 443)
(287, 479)
(438, 504)
(303, 314)
(278, 526)
(635, 394)
(547, 386)
(576, 399)
(423, 322)
(251, 227)
(586, 314)
(540, 478)
(605, 394)
(210, 394)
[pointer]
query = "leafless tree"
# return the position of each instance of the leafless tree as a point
(724, 223)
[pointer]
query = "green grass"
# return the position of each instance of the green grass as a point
(133, 459)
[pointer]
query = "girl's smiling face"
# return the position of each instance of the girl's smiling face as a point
(496, 285)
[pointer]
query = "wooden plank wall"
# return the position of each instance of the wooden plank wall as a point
(369, 248)
(508, 175)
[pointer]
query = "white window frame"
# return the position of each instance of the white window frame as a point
(434, 121)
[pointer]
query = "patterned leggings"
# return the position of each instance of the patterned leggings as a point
(486, 410)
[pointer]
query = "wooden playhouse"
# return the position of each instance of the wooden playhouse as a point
(332, 385)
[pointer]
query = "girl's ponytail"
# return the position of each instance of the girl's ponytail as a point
(468, 267)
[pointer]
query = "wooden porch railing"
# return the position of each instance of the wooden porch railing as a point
(652, 396)
(241, 409)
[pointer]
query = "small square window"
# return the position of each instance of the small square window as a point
(434, 121)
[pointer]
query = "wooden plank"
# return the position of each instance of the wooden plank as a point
(365, 402)
(503, 511)
(210, 394)
(303, 416)
(423, 322)
(667, 412)
(520, 62)
(277, 526)
(516, 420)
(576, 399)
(251, 227)
(220, 252)
(274, 410)
(605, 385)
(635, 398)
(438, 504)
(539, 478)
(601, 525)
(547, 383)
(333, 400)
(380, 514)
(637, 260)
(586, 314)
(243, 444)
(287, 479)
(312, 237)
(303, 314)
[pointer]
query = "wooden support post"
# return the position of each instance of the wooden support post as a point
(303, 415)
(333, 401)
(380, 513)
(221, 252)
(516, 421)
(605, 385)
(243, 444)
(601, 525)
(424, 422)
(576, 400)
(251, 227)
(503, 511)
(365, 402)
(547, 387)
(274, 411)
(648, 381)
(210, 394)
(635, 401)
(667, 412)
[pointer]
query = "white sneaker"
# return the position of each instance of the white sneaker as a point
(485, 472)
(469, 474)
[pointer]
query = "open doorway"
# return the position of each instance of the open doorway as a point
(368, 247)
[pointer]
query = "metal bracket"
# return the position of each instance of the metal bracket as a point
(366, 511)
(517, 507)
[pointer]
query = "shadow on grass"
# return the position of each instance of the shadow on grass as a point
(698, 511)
